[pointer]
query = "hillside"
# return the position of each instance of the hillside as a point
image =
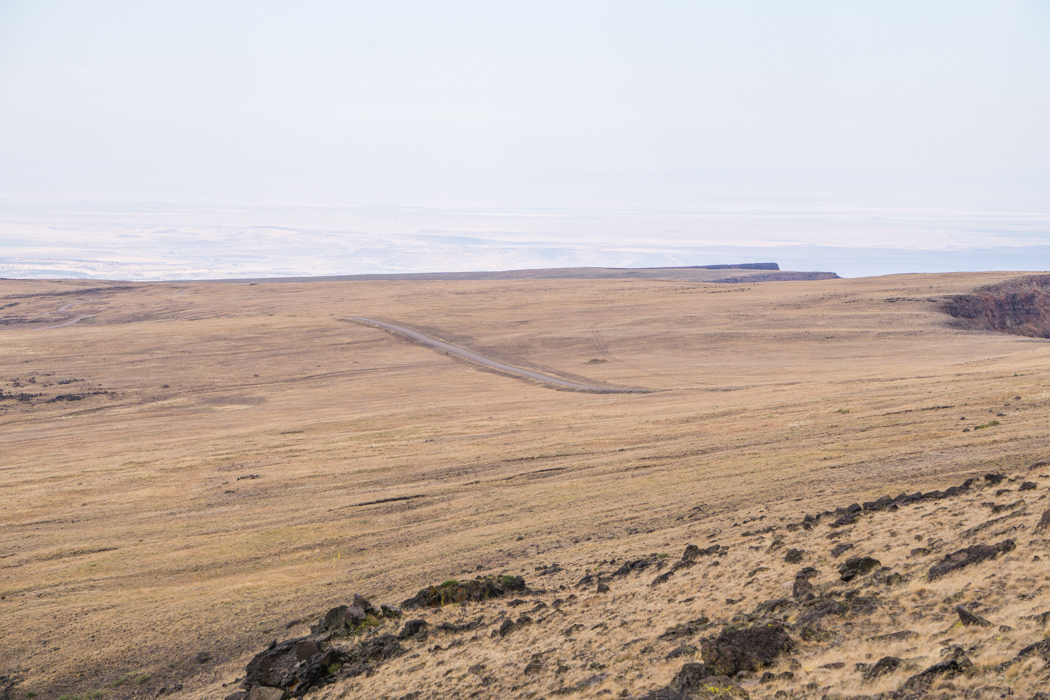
(193, 470)
(940, 594)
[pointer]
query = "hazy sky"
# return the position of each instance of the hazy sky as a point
(585, 99)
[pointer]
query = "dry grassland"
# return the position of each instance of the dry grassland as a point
(215, 498)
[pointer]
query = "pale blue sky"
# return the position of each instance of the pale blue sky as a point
(482, 104)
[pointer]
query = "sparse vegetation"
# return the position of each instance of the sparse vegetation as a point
(595, 481)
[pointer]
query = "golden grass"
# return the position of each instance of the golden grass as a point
(129, 543)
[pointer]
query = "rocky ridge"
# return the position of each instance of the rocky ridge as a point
(1021, 307)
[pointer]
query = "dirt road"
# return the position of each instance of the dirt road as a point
(61, 325)
(494, 364)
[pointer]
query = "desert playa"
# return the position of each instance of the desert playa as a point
(191, 470)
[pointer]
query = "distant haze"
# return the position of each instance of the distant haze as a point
(169, 140)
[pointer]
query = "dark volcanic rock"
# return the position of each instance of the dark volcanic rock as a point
(509, 626)
(845, 519)
(884, 666)
(366, 656)
(682, 650)
(809, 621)
(970, 555)
(692, 552)
(461, 627)
(945, 669)
(738, 649)
(840, 548)
(771, 607)
(274, 667)
(802, 590)
(970, 619)
(1041, 649)
(857, 566)
(653, 560)
(696, 682)
(290, 665)
(1028, 486)
(793, 556)
(413, 628)
(347, 619)
(901, 636)
(887, 576)
(689, 558)
(686, 629)
(481, 588)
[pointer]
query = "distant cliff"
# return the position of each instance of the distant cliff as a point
(780, 277)
(1021, 307)
(741, 266)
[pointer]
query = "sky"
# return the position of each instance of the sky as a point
(158, 140)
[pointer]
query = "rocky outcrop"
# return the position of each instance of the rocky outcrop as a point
(965, 557)
(481, 588)
(1021, 307)
(294, 666)
(738, 649)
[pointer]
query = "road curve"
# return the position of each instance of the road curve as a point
(61, 325)
(494, 364)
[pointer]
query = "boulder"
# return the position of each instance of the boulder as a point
(509, 626)
(857, 566)
(413, 628)
(347, 619)
(291, 665)
(274, 667)
(793, 556)
(971, 619)
(883, 667)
